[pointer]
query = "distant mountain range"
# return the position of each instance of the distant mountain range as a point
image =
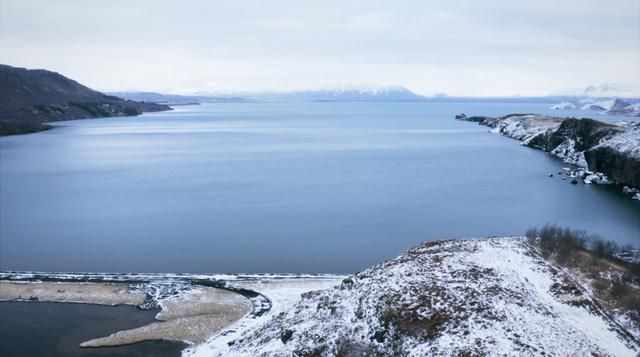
(612, 106)
(350, 94)
(176, 99)
(32, 97)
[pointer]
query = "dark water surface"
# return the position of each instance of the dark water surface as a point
(57, 329)
(280, 187)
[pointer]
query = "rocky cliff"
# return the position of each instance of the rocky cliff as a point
(613, 150)
(30, 98)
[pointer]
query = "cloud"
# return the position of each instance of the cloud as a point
(371, 23)
(493, 47)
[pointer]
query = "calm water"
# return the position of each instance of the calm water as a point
(277, 187)
(55, 329)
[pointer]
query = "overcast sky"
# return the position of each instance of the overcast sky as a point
(471, 48)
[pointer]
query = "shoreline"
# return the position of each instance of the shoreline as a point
(603, 153)
(189, 316)
(448, 288)
(192, 309)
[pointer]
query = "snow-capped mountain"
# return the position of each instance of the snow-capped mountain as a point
(339, 94)
(614, 106)
(607, 105)
(564, 106)
(630, 110)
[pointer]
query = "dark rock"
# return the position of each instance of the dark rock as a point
(347, 283)
(461, 116)
(574, 182)
(286, 335)
(348, 348)
(379, 336)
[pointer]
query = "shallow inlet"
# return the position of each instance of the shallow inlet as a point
(195, 307)
(57, 329)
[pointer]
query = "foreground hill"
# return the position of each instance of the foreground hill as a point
(30, 98)
(475, 297)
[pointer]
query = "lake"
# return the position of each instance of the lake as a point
(281, 187)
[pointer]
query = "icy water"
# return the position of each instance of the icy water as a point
(57, 329)
(280, 187)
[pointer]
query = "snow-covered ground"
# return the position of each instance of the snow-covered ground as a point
(484, 296)
(526, 127)
(491, 296)
(283, 295)
(626, 141)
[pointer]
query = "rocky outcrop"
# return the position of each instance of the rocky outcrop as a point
(613, 150)
(32, 97)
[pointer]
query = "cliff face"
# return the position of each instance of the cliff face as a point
(601, 147)
(619, 167)
(32, 97)
(586, 133)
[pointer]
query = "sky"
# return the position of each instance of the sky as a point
(461, 48)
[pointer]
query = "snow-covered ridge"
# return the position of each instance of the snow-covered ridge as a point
(488, 296)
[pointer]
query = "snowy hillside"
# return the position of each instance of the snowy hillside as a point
(493, 296)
